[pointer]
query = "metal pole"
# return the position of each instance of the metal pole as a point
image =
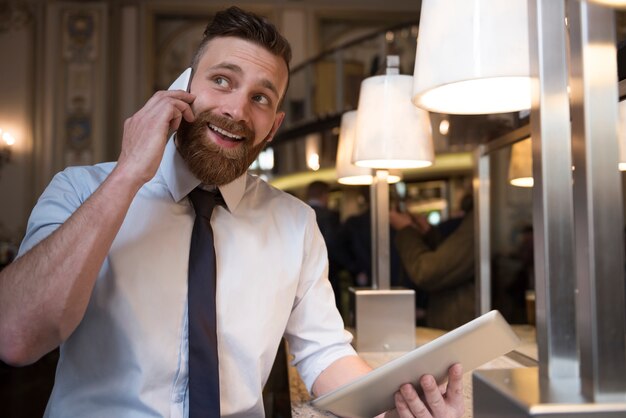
(482, 223)
(553, 219)
(374, 228)
(598, 203)
(382, 275)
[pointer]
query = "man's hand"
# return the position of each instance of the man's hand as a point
(146, 133)
(438, 402)
(399, 220)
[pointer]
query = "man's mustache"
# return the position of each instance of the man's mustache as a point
(225, 123)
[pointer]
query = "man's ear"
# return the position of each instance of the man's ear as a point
(277, 122)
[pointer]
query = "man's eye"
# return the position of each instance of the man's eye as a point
(260, 98)
(221, 81)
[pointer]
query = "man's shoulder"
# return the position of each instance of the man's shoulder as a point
(83, 179)
(93, 173)
(258, 185)
(274, 196)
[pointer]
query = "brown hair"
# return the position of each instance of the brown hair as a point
(248, 26)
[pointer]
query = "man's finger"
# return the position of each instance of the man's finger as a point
(185, 110)
(454, 391)
(434, 399)
(416, 407)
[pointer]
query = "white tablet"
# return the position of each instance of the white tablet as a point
(473, 344)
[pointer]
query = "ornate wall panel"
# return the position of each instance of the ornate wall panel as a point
(75, 97)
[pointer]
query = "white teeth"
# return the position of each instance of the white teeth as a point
(225, 133)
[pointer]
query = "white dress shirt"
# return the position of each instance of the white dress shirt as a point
(128, 356)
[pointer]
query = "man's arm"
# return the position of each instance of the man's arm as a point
(341, 371)
(438, 402)
(44, 293)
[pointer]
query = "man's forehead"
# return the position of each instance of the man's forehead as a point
(231, 52)
(232, 46)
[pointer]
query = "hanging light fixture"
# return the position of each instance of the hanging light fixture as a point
(390, 131)
(521, 164)
(348, 173)
(618, 4)
(461, 67)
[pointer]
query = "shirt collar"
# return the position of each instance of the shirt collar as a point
(180, 181)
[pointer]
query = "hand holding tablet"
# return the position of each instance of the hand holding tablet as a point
(473, 344)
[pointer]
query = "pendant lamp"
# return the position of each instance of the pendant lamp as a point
(472, 57)
(390, 131)
(521, 164)
(348, 173)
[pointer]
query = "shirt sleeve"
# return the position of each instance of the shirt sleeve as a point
(315, 330)
(57, 203)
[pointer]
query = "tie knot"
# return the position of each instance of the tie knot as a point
(204, 201)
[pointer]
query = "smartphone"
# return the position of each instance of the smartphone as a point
(183, 82)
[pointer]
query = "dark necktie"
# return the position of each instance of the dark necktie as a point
(204, 391)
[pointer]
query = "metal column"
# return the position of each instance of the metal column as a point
(581, 322)
(553, 219)
(382, 267)
(598, 203)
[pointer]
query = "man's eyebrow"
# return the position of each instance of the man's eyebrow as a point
(269, 85)
(237, 69)
(227, 66)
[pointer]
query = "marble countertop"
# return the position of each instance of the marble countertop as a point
(300, 398)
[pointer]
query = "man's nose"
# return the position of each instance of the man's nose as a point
(236, 107)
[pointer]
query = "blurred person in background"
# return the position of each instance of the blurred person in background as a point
(441, 263)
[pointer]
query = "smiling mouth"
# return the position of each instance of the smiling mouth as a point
(228, 136)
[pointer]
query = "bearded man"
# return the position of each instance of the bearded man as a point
(109, 259)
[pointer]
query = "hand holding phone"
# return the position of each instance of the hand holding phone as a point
(147, 131)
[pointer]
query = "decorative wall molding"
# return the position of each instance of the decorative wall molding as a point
(75, 98)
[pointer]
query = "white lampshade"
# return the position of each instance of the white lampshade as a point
(348, 173)
(390, 131)
(521, 164)
(619, 4)
(472, 57)
(622, 135)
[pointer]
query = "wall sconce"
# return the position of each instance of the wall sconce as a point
(461, 67)
(521, 164)
(6, 143)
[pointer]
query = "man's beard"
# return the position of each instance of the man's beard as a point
(209, 162)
